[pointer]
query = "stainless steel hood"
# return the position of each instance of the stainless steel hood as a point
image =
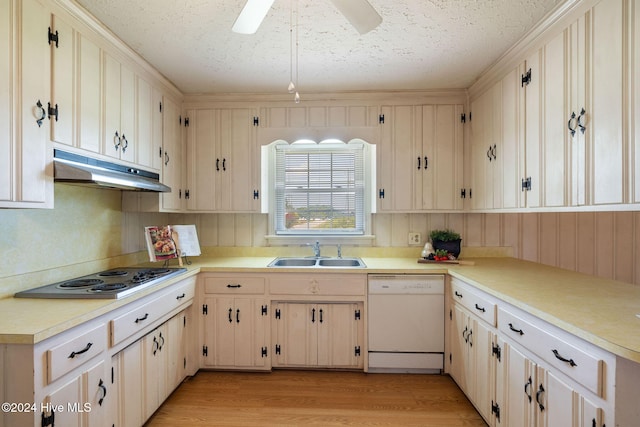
(77, 169)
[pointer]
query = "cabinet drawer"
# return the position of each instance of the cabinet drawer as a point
(139, 316)
(72, 353)
(577, 359)
(310, 284)
(234, 285)
(483, 306)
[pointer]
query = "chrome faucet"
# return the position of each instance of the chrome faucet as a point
(316, 249)
(339, 250)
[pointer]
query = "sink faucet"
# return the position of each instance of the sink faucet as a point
(339, 251)
(316, 249)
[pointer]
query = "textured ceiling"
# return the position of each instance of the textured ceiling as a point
(421, 44)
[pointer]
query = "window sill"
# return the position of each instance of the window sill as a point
(366, 240)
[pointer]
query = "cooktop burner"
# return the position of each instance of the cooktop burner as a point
(109, 284)
(79, 283)
(107, 287)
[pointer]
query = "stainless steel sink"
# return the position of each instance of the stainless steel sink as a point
(341, 262)
(317, 262)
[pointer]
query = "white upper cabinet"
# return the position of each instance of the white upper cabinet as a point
(26, 177)
(564, 130)
(119, 110)
(420, 158)
(221, 150)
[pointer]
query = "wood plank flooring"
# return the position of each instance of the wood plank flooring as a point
(320, 398)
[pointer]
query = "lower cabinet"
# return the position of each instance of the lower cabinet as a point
(323, 335)
(521, 372)
(235, 322)
(147, 371)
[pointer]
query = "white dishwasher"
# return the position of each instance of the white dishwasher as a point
(406, 323)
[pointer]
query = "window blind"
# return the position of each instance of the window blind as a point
(319, 189)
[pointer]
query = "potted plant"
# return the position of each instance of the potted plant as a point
(447, 240)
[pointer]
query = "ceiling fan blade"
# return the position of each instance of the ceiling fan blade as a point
(359, 13)
(251, 16)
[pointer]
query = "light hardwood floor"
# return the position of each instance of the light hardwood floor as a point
(321, 398)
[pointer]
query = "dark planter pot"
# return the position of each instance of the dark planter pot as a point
(452, 246)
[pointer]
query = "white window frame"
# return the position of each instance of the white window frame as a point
(270, 192)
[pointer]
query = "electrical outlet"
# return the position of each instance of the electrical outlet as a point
(415, 239)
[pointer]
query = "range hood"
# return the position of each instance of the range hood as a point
(77, 169)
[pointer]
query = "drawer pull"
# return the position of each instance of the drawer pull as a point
(156, 346)
(161, 342)
(464, 334)
(518, 331)
(539, 393)
(84, 350)
(236, 286)
(179, 297)
(569, 361)
(527, 389)
(480, 308)
(102, 387)
(238, 315)
(458, 294)
(230, 313)
(140, 319)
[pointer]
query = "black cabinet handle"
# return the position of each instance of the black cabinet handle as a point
(494, 151)
(237, 285)
(124, 143)
(102, 387)
(464, 334)
(418, 162)
(84, 350)
(313, 315)
(469, 336)
(538, 394)
(458, 294)
(527, 388)
(381, 193)
(563, 359)
(489, 154)
(166, 158)
(140, 319)
(480, 308)
(320, 315)
(580, 121)
(238, 315)
(116, 141)
(224, 167)
(217, 164)
(161, 343)
(42, 113)
(518, 331)
(156, 345)
(230, 314)
(179, 297)
(572, 119)
(426, 162)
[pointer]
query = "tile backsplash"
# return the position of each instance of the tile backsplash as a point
(87, 231)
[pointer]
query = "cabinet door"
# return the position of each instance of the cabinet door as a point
(95, 396)
(128, 144)
(338, 335)
(439, 160)
(130, 381)
(296, 335)
(512, 142)
(235, 162)
(557, 401)
(516, 378)
(63, 80)
(533, 133)
(250, 332)
(154, 361)
(176, 351)
(604, 119)
(397, 159)
(89, 97)
(171, 156)
(459, 354)
(201, 155)
(220, 332)
(481, 111)
(32, 154)
(144, 143)
(112, 99)
(59, 399)
(482, 366)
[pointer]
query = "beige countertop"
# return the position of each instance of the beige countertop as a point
(599, 311)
